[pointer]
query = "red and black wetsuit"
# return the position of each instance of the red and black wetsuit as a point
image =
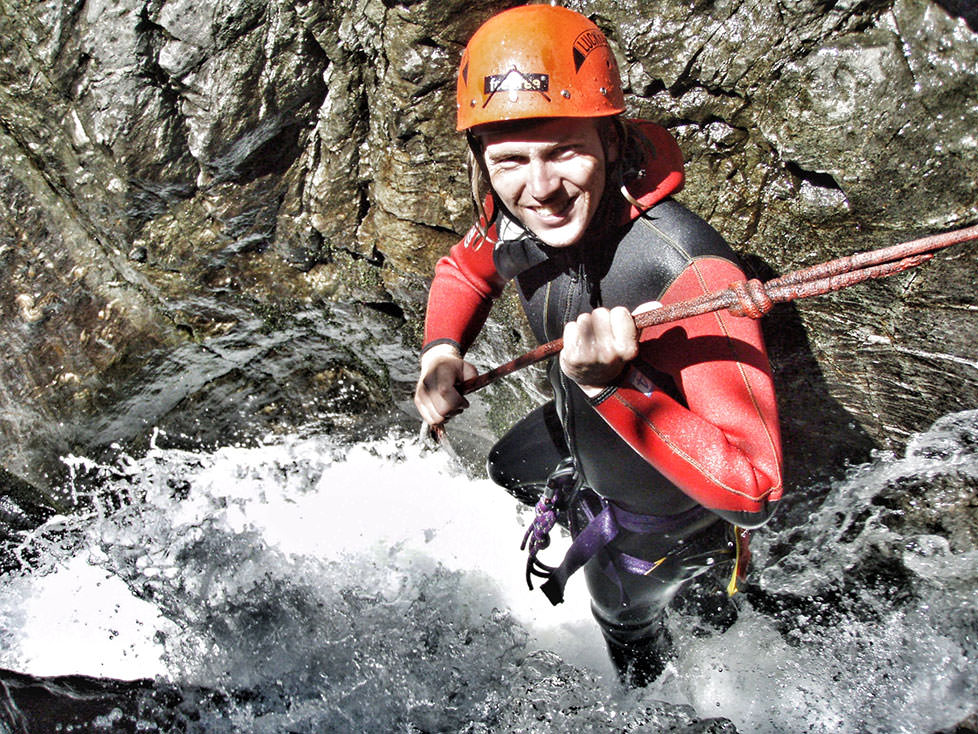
(691, 423)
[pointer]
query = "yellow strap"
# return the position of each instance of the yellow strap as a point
(656, 565)
(732, 586)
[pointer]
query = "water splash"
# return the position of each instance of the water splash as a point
(308, 585)
(314, 587)
(864, 617)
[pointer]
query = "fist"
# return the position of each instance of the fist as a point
(436, 395)
(597, 346)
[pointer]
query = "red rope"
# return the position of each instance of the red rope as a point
(753, 298)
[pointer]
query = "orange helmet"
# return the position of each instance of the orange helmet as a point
(537, 61)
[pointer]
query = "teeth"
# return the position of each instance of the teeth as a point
(546, 211)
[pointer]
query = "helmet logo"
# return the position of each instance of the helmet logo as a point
(585, 43)
(513, 81)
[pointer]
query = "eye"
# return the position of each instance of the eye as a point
(565, 151)
(507, 162)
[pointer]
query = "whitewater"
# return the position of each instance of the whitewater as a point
(311, 584)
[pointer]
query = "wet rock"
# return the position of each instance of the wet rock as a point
(179, 176)
(968, 726)
(85, 704)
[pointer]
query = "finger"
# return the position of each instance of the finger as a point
(601, 322)
(427, 414)
(623, 333)
(422, 401)
(610, 334)
(437, 398)
(647, 306)
(585, 329)
(570, 356)
(437, 412)
(469, 372)
(448, 404)
(572, 340)
(596, 333)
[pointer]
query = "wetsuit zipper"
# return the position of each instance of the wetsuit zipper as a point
(576, 278)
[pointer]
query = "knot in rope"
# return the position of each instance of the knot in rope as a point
(752, 299)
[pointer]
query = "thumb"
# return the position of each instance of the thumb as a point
(646, 307)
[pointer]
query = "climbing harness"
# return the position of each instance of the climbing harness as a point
(602, 521)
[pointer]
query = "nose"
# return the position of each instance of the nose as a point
(542, 179)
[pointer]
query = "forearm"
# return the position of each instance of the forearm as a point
(721, 444)
(461, 296)
(732, 467)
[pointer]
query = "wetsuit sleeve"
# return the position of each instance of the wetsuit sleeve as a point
(723, 447)
(462, 291)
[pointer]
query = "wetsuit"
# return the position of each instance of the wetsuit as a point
(688, 433)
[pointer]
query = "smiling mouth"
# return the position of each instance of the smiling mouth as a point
(553, 212)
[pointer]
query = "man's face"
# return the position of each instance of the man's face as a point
(549, 174)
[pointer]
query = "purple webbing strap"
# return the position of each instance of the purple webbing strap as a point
(600, 530)
(657, 524)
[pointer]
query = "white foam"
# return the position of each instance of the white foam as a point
(304, 516)
(80, 618)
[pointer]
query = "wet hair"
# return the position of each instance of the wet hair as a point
(633, 150)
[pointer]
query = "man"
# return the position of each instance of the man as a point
(656, 444)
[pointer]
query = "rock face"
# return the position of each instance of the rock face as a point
(220, 217)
